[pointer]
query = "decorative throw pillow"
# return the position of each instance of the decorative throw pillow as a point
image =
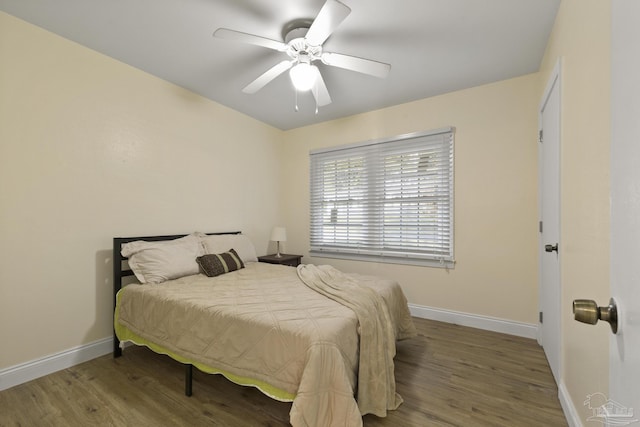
(217, 243)
(216, 264)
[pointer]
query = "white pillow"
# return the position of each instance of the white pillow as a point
(155, 262)
(219, 243)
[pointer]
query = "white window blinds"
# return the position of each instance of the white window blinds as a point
(391, 199)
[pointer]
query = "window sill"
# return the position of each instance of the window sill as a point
(384, 259)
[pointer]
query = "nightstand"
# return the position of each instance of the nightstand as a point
(285, 259)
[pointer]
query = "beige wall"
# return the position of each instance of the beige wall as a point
(496, 157)
(90, 149)
(581, 38)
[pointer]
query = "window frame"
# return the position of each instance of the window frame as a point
(374, 154)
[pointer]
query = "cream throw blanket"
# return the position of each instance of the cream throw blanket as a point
(376, 379)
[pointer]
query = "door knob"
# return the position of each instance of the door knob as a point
(551, 248)
(587, 311)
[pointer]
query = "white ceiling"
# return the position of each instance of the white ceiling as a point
(433, 46)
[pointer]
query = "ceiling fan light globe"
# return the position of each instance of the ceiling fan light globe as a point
(303, 76)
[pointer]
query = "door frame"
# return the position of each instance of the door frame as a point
(555, 80)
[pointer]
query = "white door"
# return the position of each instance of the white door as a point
(549, 170)
(624, 356)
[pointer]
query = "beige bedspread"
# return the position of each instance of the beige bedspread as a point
(262, 323)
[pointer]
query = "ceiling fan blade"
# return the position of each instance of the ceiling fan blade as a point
(353, 63)
(330, 16)
(320, 91)
(225, 33)
(267, 76)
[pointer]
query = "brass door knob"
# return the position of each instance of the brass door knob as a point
(587, 311)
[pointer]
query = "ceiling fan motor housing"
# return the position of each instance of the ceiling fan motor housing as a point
(298, 48)
(296, 29)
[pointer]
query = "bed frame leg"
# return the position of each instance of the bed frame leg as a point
(188, 379)
(117, 350)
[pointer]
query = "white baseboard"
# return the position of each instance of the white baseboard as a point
(510, 327)
(570, 412)
(28, 371)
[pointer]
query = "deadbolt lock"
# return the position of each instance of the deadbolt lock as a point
(587, 311)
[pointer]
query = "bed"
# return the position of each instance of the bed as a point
(311, 335)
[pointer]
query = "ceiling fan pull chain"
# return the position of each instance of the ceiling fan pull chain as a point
(296, 92)
(315, 95)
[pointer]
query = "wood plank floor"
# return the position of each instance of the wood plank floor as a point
(448, 376)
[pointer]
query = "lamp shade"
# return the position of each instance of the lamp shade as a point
(279, 234)
(303, 76)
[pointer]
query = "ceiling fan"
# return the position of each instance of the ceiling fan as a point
(303, 41)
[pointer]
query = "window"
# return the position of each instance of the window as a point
(388, 200)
